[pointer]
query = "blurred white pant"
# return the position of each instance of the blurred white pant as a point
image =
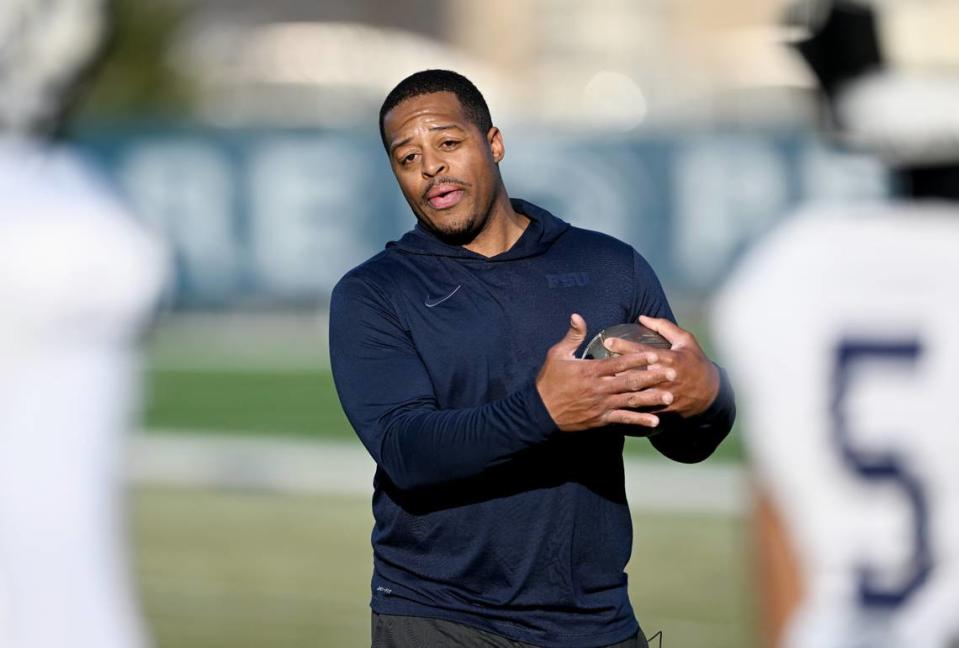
(63, 573)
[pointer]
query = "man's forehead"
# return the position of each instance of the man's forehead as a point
(426, 107)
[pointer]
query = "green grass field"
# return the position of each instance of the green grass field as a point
(250, 570)
(292, 402)
(244, 376)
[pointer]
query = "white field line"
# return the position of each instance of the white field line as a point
(296, 466)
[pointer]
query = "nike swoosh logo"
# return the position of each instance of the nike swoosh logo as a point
(431, 304)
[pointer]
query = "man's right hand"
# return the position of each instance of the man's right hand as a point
(582, 394)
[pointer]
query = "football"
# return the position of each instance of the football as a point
(596, 350)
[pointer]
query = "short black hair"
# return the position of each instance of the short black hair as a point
(429, 81)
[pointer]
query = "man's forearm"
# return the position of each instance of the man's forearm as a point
(420, 447)
(693, 439)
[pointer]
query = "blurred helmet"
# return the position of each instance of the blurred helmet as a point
(45, 46)
(890, 71)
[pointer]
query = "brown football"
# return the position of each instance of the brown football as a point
(596, 350)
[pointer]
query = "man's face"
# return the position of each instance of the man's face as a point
(445, 166)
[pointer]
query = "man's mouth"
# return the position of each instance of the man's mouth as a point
(444, 196)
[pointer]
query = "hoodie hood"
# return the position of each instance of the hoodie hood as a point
(543, 230)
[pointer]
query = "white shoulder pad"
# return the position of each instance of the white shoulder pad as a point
(72, 262)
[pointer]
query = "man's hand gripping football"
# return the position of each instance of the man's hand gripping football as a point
(581, 395)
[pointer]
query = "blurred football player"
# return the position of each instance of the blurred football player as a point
(840, 332)
(77, 280)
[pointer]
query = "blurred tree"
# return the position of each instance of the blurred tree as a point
(136, 79)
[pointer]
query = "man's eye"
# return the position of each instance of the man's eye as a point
(449, 143)
(407, 159)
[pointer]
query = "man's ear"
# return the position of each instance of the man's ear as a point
(495, 139)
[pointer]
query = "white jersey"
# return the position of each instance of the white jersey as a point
(841, 333)
(77, 279)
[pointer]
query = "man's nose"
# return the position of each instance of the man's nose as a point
(433, 165)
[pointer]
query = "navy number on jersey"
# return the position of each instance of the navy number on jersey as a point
(881, 469)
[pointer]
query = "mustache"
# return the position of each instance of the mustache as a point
(444, 180)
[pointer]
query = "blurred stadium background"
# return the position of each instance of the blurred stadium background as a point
(244, 132)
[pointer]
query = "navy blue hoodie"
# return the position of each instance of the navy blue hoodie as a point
(485, 513)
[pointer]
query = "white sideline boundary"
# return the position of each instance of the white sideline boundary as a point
(295, 466)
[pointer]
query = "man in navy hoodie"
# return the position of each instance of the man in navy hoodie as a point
(499, 497)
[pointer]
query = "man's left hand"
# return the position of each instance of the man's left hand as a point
(697, 379)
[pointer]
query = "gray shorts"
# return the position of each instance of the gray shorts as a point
(393, 631)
